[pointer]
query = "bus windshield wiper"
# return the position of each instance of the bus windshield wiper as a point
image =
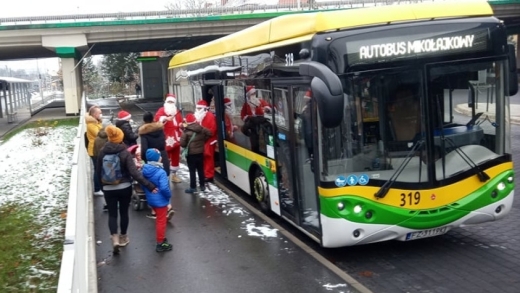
(384, 189)
(482, 176)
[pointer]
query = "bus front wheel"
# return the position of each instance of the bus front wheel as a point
(261, 191)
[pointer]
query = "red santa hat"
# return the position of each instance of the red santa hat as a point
(308, 95)
(250, 89)
(190, 119)
(202, 104)
(227, 101)
(123, 115)
(170, 98)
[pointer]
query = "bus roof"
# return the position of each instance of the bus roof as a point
(294, 28)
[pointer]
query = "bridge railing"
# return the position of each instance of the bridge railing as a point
(232, 7)
(40, 102)
(78, 272)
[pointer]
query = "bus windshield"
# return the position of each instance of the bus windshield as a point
(469, 112)
(381, 125)
(384, 123)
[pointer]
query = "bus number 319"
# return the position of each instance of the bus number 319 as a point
(412, 198)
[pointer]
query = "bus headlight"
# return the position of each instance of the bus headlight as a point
(510, 179)
(341, 206)
(357, 209)
(501, 186)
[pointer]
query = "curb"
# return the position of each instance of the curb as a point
(464, 110)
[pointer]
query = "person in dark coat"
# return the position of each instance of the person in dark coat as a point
(123, 123)
(195, 158)
(118, 196)
(152, 137)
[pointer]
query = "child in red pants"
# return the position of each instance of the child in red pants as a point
(153, 171)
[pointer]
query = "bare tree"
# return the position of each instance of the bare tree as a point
(196, 7)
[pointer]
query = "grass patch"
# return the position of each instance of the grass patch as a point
(27, 261)
(41, 124)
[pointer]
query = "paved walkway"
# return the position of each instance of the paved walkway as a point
(490, 111)
(220, 245)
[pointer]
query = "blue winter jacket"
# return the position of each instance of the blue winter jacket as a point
(154, 173)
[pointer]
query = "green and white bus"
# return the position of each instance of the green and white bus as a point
(406, 132)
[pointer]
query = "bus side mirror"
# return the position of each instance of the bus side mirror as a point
(513, 77)
(327, 91)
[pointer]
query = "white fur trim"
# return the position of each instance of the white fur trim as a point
(126, 117)
(213, 142)
(162, 119)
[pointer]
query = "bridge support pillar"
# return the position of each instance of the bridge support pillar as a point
(66, 47)
(72, 79)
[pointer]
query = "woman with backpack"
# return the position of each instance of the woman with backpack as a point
(115, 168)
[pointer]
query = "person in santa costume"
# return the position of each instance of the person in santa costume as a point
(253, 106)
(207, 120)
(228, 120)
(171, 118)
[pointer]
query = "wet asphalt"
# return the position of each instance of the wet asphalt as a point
(219, 245)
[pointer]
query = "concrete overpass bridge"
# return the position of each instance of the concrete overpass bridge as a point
(72, 36)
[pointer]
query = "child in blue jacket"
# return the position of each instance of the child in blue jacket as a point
(154, 172)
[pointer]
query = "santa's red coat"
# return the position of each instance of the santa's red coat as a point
(172, 129)
(259, 111)
(210, 122)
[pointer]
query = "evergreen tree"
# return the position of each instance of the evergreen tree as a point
(91, 78)
(121, 67)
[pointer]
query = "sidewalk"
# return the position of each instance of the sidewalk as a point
(514, 110)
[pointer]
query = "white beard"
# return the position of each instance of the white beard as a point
(199, 115)
(254, 101)
(170, 109)
(229, 111)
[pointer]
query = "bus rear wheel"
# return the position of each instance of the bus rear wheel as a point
(261, 191)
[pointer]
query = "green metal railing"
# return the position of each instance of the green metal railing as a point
(249, 9)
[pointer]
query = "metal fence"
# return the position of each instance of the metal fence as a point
(232, 7)
(78, 272)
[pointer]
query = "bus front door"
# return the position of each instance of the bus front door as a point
(293, 140)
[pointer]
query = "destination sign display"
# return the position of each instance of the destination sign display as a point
(415, 45)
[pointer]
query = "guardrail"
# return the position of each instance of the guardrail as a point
(233, 7)
(78, 272)
(47, 99)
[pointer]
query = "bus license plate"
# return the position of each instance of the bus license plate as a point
(426, 233)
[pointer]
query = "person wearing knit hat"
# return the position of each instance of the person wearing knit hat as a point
(193, 138)
(171, 118)
(190, 119)
(159, 202)
(114, 134)
(117, 176)
(123, 123)
(153, 155)
(253, 106)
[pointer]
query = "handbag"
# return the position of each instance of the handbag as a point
(184, 152)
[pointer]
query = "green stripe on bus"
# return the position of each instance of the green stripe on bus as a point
(424, 219)
(244, 163)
